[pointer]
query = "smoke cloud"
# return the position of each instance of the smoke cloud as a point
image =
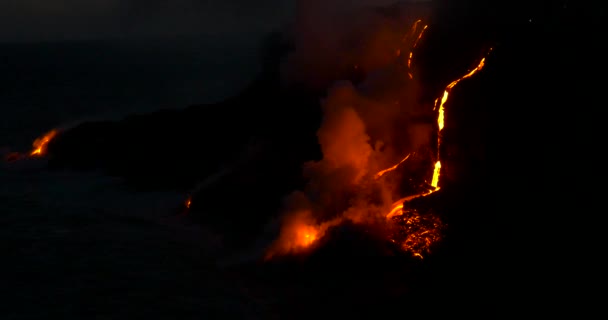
(367, 126)
(333, 38)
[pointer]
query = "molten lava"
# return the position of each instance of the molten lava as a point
(381, 173)
(411, 55)
(420, 236)
(447, 90)
(415, 232)
(409, 60)
(298, 235)
(41, 143)
(435, 181)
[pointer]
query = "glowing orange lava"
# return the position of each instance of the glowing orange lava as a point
(447, 90)
(411, 55)
(306, 235)
(409, 60)
(41, 143)
(441, 115)
(296, 237)
(420, 236)
(415, 232)
(435, 181)
(381, 173)
(397, 206)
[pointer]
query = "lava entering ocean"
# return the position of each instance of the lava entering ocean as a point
(40, 144)
(347, 152)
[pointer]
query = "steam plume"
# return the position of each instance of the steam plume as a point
(366, 126)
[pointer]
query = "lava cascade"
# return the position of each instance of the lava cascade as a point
(413, 231)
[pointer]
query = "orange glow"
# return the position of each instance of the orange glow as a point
(381, 173)
(414, 27)
(447, 90)
(411, 55)
(435, 180)
(420, 36)
(41, 143)
(306, 235)
(188, 203)
(416, 232)
(298, 234)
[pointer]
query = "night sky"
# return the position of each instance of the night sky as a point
(82, 242)
(38, 20)
(35, 20)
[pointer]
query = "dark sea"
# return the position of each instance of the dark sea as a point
(83, 245)
(45, 85)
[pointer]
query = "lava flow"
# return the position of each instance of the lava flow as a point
(382, 172)
(345, 145)
(419, 239)
(441, 115)
(411, 55)
(40, 144)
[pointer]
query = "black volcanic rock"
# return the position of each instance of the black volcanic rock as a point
(178, 148)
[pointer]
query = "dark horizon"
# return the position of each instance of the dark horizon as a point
(32, 21)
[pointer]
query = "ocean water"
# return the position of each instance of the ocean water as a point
(46, 85)
(81, 245)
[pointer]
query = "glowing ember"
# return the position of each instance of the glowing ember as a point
(409, 60)
(414, 28)
(417, 232)
(395, 209)
(421, 232)
(296, 237)
(188, 203)
(41, 143)
(420, 36)
(397, 206)
(381, 173)
(441, 116)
